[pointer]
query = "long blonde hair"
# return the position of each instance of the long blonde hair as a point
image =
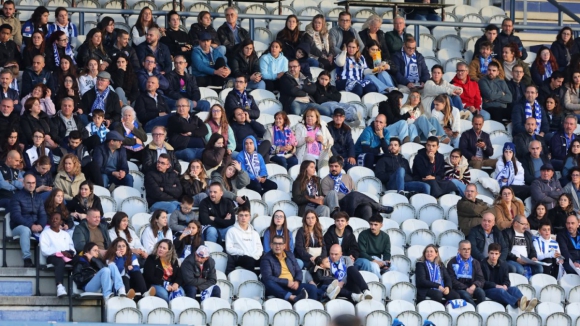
(447, 110)
(324, 30)
(420, 106)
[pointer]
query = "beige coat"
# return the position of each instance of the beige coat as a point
(70, 188)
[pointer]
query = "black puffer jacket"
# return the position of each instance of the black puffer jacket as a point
(194, 276)
(326, 94)
(84, 53)
(288, 47)
(197, 29)
(169, 181)
(241, 66)
(343, 142)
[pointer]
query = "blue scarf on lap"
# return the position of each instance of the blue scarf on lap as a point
(463, 269)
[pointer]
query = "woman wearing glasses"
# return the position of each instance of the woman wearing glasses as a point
(573, 186)
(457, 170)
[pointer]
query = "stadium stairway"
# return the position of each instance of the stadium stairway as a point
(18, 300)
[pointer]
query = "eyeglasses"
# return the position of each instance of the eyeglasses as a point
(575, 175)
(344, 20)
(162, 163)
(277, 243)
(158, 135)
(63, 40)
(524, 224)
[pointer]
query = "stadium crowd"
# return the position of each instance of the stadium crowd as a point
(80, 114)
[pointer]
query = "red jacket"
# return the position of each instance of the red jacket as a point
(471, 95)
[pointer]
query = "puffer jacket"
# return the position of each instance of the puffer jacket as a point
(191, 89)
(27, 209)
(181, 125)
(169, 181)
(343, 143)
(84, 53)
(244, 67)
(194, 276)
(29, 124)
(510, 235)
(477, 238)
(288, 47)
(471, 95)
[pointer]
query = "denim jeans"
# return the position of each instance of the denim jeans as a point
(189, 154)
(460, 186)
(428, 127)
(478, 295)
(161, 292)
(382, 80)
(358, 89)
(283, 292)
(397, 182)
(456, 102)
(313, 63)
(202, 106)
(126, 181)
(287, 163)
(298, 108)
(211, 234)
(122, 97)
(222, 50)
(400, 129)
(511, 296)
(253, 85)
(515, 267)
(191, 291)
(24, 232)
(168, 206)
(159, 121)
(363, 264)
(107, 279)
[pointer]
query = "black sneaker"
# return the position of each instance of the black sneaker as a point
(303, 295)
(386, 209)
(28, 262)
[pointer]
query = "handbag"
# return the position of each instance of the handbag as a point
(315, 252)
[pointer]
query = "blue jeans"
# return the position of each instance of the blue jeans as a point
(202, 106)
(298, 108)
(515, 267)
(107, 279)
(287, 163)
(358, 89)
(313, 63)
(456, 101)
(189, 154)
(253, 85)
(363, 264)
(126, 181)
(211, 234)
(397, 182)
(283, 292)
(191, 291)
(161, 292)
(428, 127)
(382, 80)
(222, 50)
(159, 121)
(24, 232)
(478, 294)
(460, 186)
(511, 296)
(486, 116)
(168, 206)
(400, 129)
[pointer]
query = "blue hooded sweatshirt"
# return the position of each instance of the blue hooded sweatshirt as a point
(245, 164)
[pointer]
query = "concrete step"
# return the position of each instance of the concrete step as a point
(46, 309)
(19, 281)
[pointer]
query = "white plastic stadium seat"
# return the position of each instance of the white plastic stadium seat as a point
(108, 203)
(487, 308)
(378, 318)
(403, 291)
(254, 317)
(133, 205)
(430, 213)
(128, 316)
(397, 237)
(401, 263)
(461, 310)
(239, 276)
(410, 318)
(498, 318)
(211, 305)
(122, 192)
(395, 307)
(427, 307)
(302, 307)
(147, 304)
(392, 198)
(283, 181)
(528, 319)
(221, 260)
(411, 225)
(139, 219)
(545, 309)
(558, 319)
(272, 306)
(440, 226)
(538, 281)
(440, 318)
(419, 200)
(242, 305)
(569, 281)
(421, 237)
(469, 318)
(339, 307)
(450, 238)
(116, 304)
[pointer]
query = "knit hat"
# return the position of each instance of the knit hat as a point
(510, 147)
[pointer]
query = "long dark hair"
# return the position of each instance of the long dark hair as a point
(194, 239)
(393, 102)
(570, 208)
(291, 36)
(103, 24)
(89, 40)
(128, 81)
(30, 46)
(559, 37)
(514, 162)
(253, 57)
(139, 24)
(213, 139)
(534, 213)
(51, 207)
(228, 181)
(302, 178)
(116, 224)
(111, 253)
(285, 232)
(153, 222)
(37, 16)
(316, 230)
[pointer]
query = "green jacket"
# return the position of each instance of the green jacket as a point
(395, 42)
(374, 245)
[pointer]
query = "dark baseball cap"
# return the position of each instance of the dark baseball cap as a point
(205, 37)
(338, 111)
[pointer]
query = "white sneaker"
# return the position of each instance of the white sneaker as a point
(334, 293)
(367, 295)
(331, 287)
(61, 291)
(357, 297)
(121, 292)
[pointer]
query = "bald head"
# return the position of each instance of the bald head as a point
(29, 183)
(13, 159)
(380, 122)
(535, 148)
(335, 253)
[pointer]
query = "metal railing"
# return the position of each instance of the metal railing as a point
(303, 19)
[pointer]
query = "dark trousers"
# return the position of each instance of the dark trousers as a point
(191, 291)
(272, 85)
(521, 191)
(93, 173)
(262, 188)
(213, 80)
(287, 163)
(499, 114)
(355, 283)
(478, 296)
(245, 262)
(441, 187)
(438, 296)
(135, 281)
(264, 150)
(368, 160)
(58, 268)
(283, 292)
(553, 269)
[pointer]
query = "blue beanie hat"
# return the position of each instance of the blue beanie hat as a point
(509, 146)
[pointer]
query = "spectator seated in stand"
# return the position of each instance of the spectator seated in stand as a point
(497, 282)
(216, 214)
(480, 62)
(199, 274)
(183, 84)
(413, 71)
(476, 146)
(243, 244)
(209, 65)
(483, 235)
(429, 167)
(162, 186)
(12, 177)
(112, 158)
(520, 244)
(495, 93)
(375, 245)
(466, 275)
